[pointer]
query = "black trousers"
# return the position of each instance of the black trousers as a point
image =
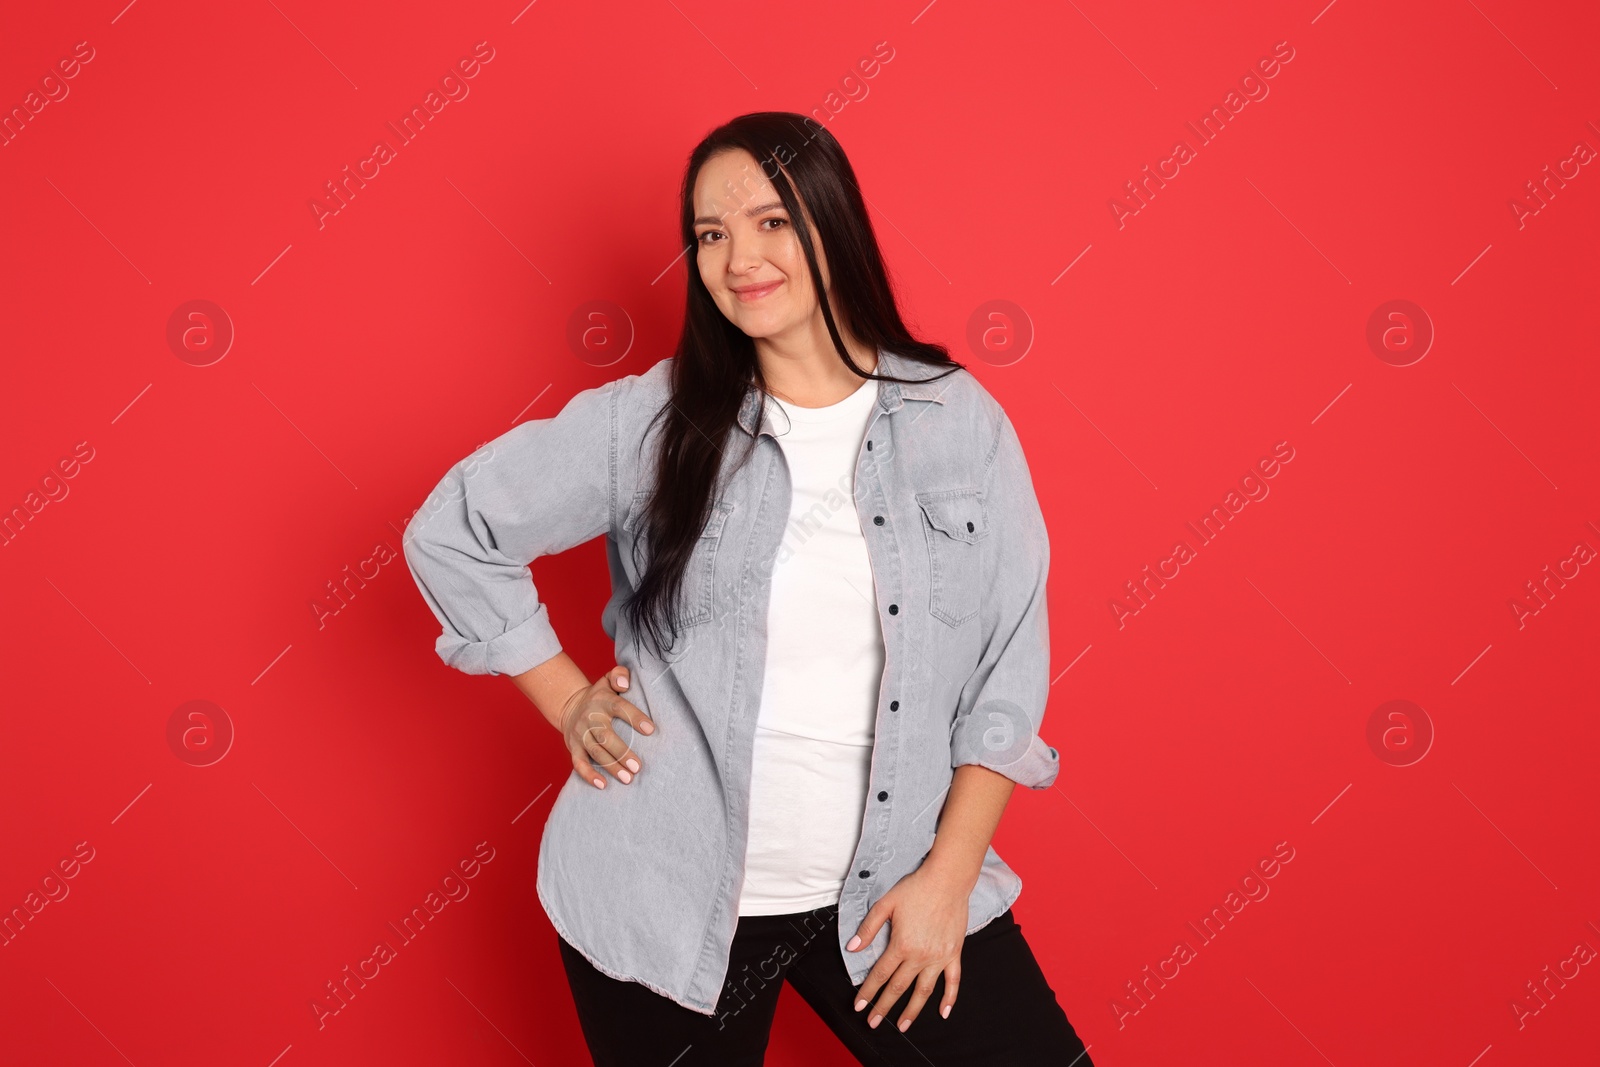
(1005, 1013)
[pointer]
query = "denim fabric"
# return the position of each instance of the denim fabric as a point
(644, 878)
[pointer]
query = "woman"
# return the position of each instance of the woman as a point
(828, 570)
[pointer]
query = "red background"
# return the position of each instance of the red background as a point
(1230, 313)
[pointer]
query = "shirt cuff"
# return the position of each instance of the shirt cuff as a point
(519, 649)
(999, 736)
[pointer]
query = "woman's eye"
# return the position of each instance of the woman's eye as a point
(705, 238)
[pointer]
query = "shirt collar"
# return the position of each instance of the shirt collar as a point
(891, 395)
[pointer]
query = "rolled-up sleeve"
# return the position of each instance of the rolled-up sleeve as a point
(544, 486)
(1002, 706)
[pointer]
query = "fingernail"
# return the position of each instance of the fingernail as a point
(855, 942)
(646, 726)
(945, 1011)
(633, 764)
(598, 784)
(873, 1022)
(860, 1004)
(625, 776)
(622, 683)
(903, 1024)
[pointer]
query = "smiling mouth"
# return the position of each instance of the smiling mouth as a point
(756, 292)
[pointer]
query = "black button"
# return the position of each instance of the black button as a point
(883, 795)
(869, 446)
(969, 527)
(865, 874)
(877, 520)
(894, 609)
(894, 705)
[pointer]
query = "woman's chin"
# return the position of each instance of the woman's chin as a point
(765, 324)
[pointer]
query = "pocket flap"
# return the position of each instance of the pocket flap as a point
(959, 513)
(635, 509)
(719, 514)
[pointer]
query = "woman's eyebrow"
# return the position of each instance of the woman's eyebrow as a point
(750, 212)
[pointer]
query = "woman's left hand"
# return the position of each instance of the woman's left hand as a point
(927, 912)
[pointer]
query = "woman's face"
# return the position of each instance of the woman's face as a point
(747, 250)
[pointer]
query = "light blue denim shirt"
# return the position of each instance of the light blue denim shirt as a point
(644, 878)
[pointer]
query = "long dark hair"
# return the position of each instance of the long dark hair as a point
(715, 362)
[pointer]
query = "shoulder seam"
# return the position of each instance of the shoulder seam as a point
(994, 445)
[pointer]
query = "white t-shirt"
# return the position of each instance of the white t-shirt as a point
(824, 663)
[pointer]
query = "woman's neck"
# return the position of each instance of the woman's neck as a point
(812, 375)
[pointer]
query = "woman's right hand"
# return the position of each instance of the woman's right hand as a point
(586, 727)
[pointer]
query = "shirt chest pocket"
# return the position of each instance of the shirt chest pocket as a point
(954, 523)
(699, 578)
